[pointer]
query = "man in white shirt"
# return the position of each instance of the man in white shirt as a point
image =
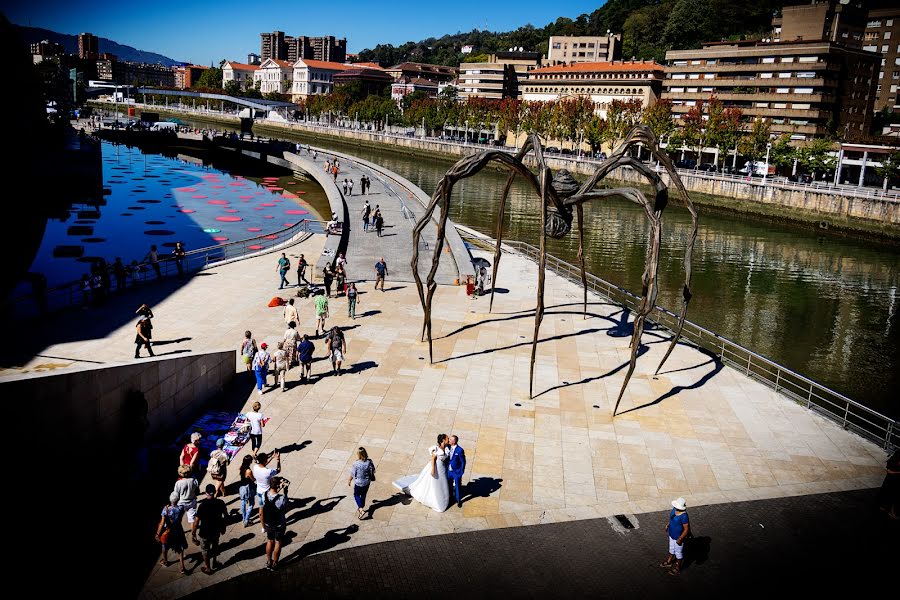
(263, 474)
(290, 312)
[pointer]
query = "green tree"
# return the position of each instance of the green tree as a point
(413, 97)
(658, 117)
(723, 128)
(232, 88)
(783, 153)
(753, 144)
(211, 78)
(691, 132)
(621, 116)
(595, 133)
(815, 156)
(890, 168)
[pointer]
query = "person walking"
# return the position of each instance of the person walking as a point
(362, 474)
(321, 302)
(305, 350)
(284, 265)
(379, 222)
(381, 271)
(120, 274)
(327, 279)
(349, 187)
(190, 454)
(281, 366)
(263, 474)
(337, 347)
(272, 513)
(248, 350)
(678, 528)
(290, 312)
(142, 336)
(170, 534)
(247, 489)
(301, 270)
(257, 422)
(179, 254)
(345, 186)
(261, 362)
(218, 466)
(153, 258)
(366, 213)
(290, 339)
(889, 493)
(210, 525)
(187, 487)
(352, 299)
(340, 280)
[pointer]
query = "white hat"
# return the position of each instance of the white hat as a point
(679, 504)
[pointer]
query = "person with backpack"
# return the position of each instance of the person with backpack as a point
(248, 349)
(272, 516)
(210, 525)
(337, 347)
(218, 466)
(366, 213)
(261, 362)
(170, 534)
(678, 529)
(362, 474)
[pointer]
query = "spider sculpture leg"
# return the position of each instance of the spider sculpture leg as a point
(542, 268)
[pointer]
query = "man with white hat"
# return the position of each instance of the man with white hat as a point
(678, 528)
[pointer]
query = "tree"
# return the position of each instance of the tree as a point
(691, 133)
(753, 144)
(413, 97)
(621, 116)
(723, 128)
(595, 133)
(783, 153)
(815, 157)
(211, 78)
(232, 88)
(658, 117)
(890, 168)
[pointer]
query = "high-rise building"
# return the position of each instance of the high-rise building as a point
(278, 46)
(579, 49)
(882, 35)
(273, 45)
(47, 48)
(840, 21)
(499, 77)
(88, 46)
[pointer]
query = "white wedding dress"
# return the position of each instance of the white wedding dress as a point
(431, 490)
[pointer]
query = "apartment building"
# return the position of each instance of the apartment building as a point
(274, 76)
(882, 35)
(589, 49)
(433, 73)
(88, 46)
(808, 88)
(284, 47)
(187, 75)
(498, 78)
(602, 82)
(840, 21)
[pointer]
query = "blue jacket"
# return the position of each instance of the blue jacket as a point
(457, 462)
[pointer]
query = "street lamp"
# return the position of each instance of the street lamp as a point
(766, 172)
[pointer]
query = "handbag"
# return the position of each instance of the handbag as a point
(371, 470)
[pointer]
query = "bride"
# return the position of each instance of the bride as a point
(430, 486)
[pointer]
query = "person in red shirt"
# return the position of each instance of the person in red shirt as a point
(190, 454)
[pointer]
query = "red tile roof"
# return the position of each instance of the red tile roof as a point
(283, 63)
(369, 65)
(323, 64)
(601, 67)
(241, 66)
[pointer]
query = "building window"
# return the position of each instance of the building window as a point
(680, 63)
(874, 23)
(768, 60)
(885, 48)
(765, 75)
(887, 35)
(695, 62)
(870, 48)
(808, 59)
(783, 91)
(787, 59)
(803, 90)
(806, 75)
(679, 76)
(889, 22)
(710, 62)
(709, 76)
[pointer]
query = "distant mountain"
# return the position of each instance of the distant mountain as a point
(70, 42)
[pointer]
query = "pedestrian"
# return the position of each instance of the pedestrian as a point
(381, 272)
(327, 166)
(218, 466)
(366, 213)
(379, 222)
(248, 350)
(143, 335)
(247, 489)
(187, 487)
(290, 312)
(678, 529)
(281, 366)
(85, 291)
(263, 474)
(349, 187)
(334, 172)
(284, 265)
(327, 279)
(340, 278)
(321, 312)
(352, 299)
(341, 261)
(337, 347)
(120, 274)
(210, 525)
(889, 493)
(362, 474)
(305, 350)
(301, 270)
(290, 339)
(153, 258)
(179, 254)
(364, 184)
(261, 362)
(170, 534)
(272, 513)
(257, 421)
(345, 186)
(190, 454)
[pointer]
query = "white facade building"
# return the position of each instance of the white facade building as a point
(274, 76)
(240, 72)
(314, 77)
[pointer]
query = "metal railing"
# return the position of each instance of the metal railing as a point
(833, 405)
(74, 294)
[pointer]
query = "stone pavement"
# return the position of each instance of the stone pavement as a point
(698, 430)
(742, 549)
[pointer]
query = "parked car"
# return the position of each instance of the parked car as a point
(688, 163)
(551, 150)
(707, 167)
(801, 178)
(565, 152)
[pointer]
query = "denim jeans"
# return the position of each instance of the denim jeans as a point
(359, 494)
(247, 507)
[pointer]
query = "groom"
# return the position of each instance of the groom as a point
(456, 466)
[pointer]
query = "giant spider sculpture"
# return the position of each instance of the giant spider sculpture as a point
(559, 195)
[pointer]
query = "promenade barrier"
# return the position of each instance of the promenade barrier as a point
(833, 405)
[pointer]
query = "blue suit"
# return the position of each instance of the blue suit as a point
(456, 466)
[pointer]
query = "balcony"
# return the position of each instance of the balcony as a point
(753, 67)
(751, 82)
(750, 97)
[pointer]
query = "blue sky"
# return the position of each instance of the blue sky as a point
(201, 31)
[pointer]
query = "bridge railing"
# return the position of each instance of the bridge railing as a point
(833, 405)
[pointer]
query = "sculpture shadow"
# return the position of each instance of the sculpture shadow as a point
(370, 313)
(165, 342)
(522, 315)
(332, 538)
(398, 498)
(623, 328)
(680, 388)
(498, 290)
(482, 487)
(641, 351)
(318, 507)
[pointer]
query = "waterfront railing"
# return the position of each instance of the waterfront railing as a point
(849, 414)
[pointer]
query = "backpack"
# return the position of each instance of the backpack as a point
(271, 514)
(247, 349)
(215, 465)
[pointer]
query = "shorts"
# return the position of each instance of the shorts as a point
(675, 549)
(219, 477)
(208, 544)
(336, 356)
(275, 533)
(248, 359)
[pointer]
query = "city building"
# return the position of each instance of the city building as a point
(314, 77)
(407, 85)
(467, 49)
(435, 73)
(575, 49)
(240, 72)
(372, 80)
(602, 82)
(88, 46)
(130, 73)
(47, 48)
(500, 77)
(281, 47)
(882, 35)
(808, 89)
(253, 59)
(840, 21)
(274, 76)
(187, 75)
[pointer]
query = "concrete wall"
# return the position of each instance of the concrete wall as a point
(89, 405)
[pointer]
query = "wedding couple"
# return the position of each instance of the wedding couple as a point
(443, 472)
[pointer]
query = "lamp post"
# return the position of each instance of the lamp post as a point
(766, 172)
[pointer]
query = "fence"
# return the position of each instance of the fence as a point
(831, 404)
